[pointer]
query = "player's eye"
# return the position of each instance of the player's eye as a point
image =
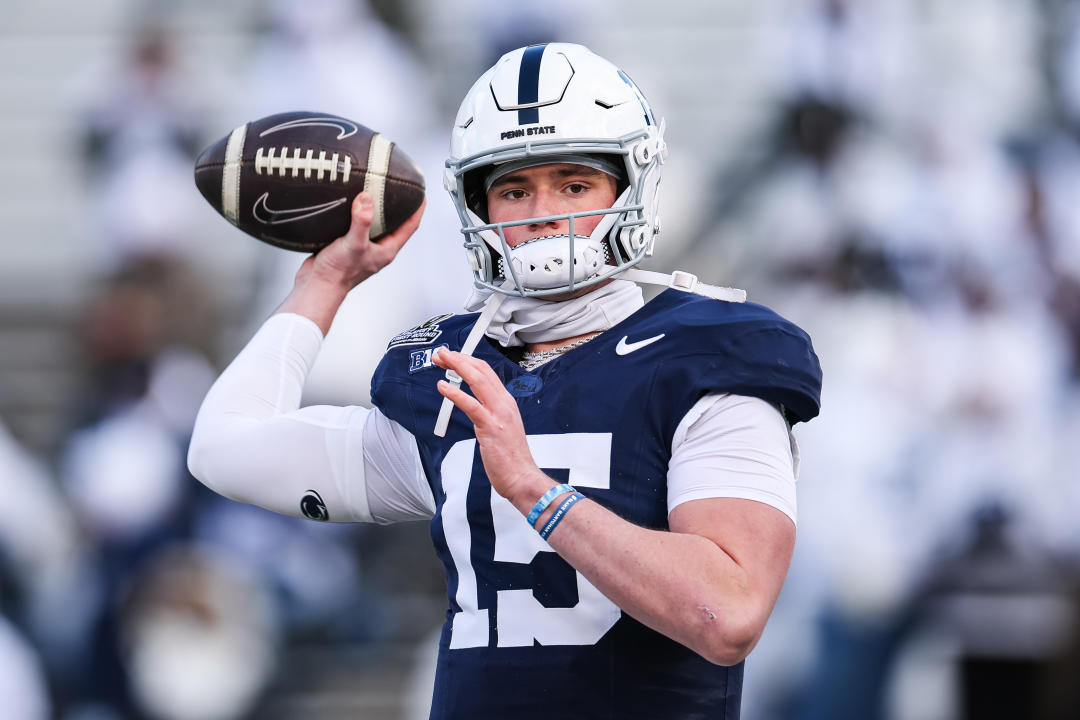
(577, 188)
(514, 194)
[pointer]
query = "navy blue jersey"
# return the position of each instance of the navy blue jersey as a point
(526, 635)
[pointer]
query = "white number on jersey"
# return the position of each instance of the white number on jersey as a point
(521, 618)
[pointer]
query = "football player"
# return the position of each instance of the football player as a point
(610, 483)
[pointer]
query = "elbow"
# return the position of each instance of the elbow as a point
(206, 460)
(731, 651)
(199, 461)
(728, 641)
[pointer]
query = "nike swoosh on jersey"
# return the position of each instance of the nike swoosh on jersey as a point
(267, 216)
(625, 348)
(345, 128)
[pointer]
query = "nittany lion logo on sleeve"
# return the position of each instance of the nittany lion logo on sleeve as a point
(424, 333)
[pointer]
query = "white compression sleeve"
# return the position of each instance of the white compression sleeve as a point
(253, 443)
(733, 446)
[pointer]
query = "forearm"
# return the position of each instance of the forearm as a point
(316, 298)
(252, 443)
(681, 585)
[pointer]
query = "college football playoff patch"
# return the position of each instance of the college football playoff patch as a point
(424, 333)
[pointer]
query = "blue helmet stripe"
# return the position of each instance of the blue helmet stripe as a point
(529, 84)
(641, 98)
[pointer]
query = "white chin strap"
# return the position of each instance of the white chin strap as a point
(687, 282)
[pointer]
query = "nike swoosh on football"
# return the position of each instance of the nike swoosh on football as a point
(345, 127)
(625, 348)
(267, 216)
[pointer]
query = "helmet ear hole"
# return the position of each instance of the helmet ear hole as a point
(633, 238)
(642, 153)
(474, 260)
(479, 260)
(475, 197)
(630, 242)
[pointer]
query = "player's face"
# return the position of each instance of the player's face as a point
(544, 190)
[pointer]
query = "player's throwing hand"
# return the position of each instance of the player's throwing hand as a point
(353, 258)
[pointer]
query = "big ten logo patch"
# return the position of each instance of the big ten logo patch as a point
(421, 359)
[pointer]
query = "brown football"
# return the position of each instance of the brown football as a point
(289, 179)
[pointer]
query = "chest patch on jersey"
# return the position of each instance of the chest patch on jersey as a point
(524, 385)
(426, 332)
(421, 359)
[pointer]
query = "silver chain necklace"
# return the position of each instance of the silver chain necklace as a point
(532, 360)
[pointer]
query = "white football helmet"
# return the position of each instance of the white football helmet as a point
(556, 102)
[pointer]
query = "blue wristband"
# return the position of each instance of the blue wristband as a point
(559, 514)
(544, 501)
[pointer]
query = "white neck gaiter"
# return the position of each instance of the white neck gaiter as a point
(520, 321)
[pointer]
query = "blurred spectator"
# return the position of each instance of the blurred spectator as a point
(197, 633)
(37, 536)
(122, 465)
(37, 550)
(1007, 607)
(844, 53)
(142, 131)
(1051, 169)
(22, 681)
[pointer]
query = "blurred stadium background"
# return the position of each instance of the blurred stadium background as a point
(899, 177)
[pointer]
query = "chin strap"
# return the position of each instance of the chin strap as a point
(687, 282)
(477, 332)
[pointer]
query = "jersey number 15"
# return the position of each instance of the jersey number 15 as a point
(521, 618)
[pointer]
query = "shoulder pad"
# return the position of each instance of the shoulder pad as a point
(742, 348)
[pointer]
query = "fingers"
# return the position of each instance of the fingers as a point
(489, 400)
(396, 240)
(496, 420)
(353, 258)
(482, 380)
(463, 400)
(363, 211)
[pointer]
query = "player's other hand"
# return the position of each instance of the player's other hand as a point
(353, 258)
(499, 430)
